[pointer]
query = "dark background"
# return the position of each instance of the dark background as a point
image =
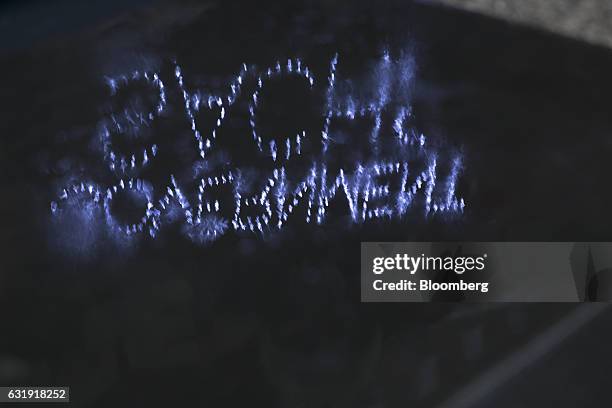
(278, 322)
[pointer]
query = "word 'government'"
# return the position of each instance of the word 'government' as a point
(402, 174)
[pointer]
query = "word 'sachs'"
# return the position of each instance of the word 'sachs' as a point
(385, 186)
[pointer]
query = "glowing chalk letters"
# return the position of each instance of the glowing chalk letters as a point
(385, 186)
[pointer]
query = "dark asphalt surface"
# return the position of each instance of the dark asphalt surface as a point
(280, 324)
